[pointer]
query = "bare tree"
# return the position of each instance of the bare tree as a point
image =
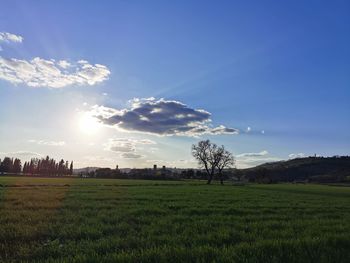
(225, 160)
(212, 158)
(204, 152)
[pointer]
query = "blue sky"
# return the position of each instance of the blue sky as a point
(74, 74)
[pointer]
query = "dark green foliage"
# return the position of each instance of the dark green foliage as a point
(6, 166)
(101, 220)
(45, 166)
(311, 169)
(71, 168)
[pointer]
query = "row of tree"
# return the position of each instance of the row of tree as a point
(10, 165)
(44, 166)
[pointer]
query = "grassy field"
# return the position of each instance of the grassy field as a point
(96, 220)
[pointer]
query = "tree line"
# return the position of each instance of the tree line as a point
(44, 166)
(214, 161)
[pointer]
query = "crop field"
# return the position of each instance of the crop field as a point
(100, 220)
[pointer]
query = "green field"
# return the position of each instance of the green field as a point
(97, 220)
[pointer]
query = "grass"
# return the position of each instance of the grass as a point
(97, 220)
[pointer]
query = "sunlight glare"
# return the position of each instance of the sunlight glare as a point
(88, 124)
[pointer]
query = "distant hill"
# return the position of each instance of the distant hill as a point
(312, 169)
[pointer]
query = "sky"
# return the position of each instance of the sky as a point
(136, 83)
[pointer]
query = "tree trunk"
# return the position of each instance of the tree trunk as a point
(221, 178)
(210, 178)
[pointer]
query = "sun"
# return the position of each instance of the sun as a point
(88, 124)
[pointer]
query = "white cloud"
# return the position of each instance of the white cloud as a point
(296, 155)
(250, 159)
(21, 154)
(127, 147)
(256, 154)
(48, 143)
(254, 161)
(120, 145)
(82, 62)
(8, 37)
(131, 156)
(40, 72)
(96, 158)
(102, 111)
(248, 129)
(160, 117)
(63, 64)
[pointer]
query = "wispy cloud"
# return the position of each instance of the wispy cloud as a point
(95, 158)
(254, 161)
(253, 154)
(40, 72)
(103, 112)
(132, 155)
(21, 154)
(51, 73)
(120, 145)
(160, 117)
(48, 143)
(250, 159)
(127, 147)
(8, 38)
(296, 155)
(126, 144)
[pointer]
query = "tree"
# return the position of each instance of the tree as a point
(61, 167)
(25, 168)
(33, 165)
(71, 168)
(7, 165)
(17, 166)
(225, 160)
(66, 167)
(206, 153)
(212, 158)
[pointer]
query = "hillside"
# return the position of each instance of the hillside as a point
(313, 169)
